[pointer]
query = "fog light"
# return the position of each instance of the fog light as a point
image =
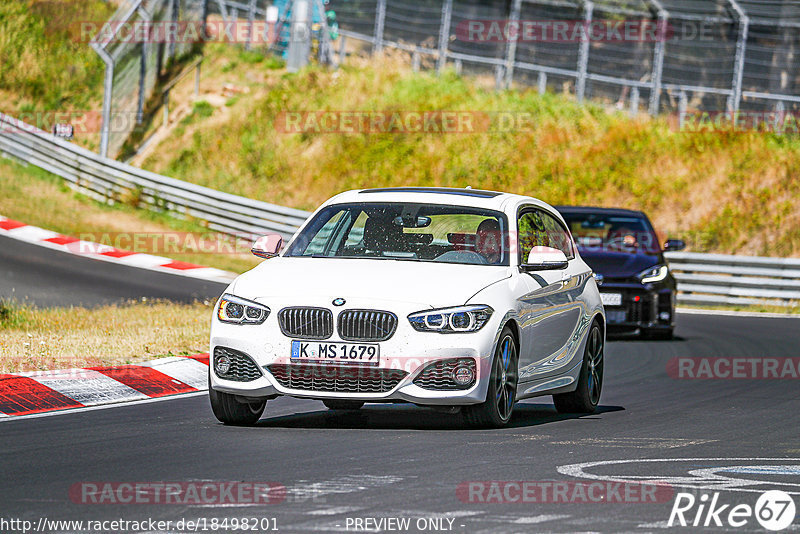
(463, 375)
(222, 364)
(664, 316)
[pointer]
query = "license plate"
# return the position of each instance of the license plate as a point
(611, 299)
(321, 351)
(616, 316)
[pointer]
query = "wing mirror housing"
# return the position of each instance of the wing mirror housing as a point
(674, 245)
(267, 246)
(545, 259)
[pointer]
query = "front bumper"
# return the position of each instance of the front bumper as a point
(408, 352)
(642, 308)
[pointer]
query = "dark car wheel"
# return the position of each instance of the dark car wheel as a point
(590, 383)
(496, 410)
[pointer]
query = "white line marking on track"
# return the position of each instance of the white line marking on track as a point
(717, 483)
(335, 511)
(732, 313)
(539, 519)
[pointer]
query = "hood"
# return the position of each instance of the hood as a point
(425, 283)
(619, 264)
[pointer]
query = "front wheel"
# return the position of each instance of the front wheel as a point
(230, 411)
(502, 391)
(590, 383)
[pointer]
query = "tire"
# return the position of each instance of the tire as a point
(496, 410)
(590, 383)
(232, 412)
(343, 404)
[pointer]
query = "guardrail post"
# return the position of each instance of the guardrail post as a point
(741, 50)
(444, 35)
(223, 10)
(634, 109)
(583, 53)
(542, 82)
(658, 58)
(511, 46)
(175, 12)
(342, 49)
(683, 103)
(380, 19)
(458, 66)
(498, 77)
(251, 20)
(415, 61)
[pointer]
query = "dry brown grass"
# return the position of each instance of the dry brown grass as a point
(39, 199)
(728, 193)
(63, 338)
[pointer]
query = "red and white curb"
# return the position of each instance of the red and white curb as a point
(47, 391)
(97, 251)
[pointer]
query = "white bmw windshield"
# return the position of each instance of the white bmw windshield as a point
(403, 231)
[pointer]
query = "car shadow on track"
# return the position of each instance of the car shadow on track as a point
(409, 417)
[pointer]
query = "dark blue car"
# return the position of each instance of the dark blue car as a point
(636, 285)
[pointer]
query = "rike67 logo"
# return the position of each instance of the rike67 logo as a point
(774, 510)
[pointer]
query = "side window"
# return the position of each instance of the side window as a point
(540, 229)
(557, 236)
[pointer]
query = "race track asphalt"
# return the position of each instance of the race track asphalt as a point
(45, 277)
(408, 462)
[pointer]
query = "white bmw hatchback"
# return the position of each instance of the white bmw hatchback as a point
(459, 299)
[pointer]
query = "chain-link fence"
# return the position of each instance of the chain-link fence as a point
(702, 54)
(138, 50)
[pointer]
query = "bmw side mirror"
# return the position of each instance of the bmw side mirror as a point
(674, 245)
(267, 246)
(545, 259)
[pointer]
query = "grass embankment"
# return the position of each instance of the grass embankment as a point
(62, 338)
(35, 197)
(727, 193)
(46, 65)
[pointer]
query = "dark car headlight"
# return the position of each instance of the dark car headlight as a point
(653, 274)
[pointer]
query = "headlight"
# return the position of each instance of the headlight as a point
(451, 320)
(235, 310)
(654, 274)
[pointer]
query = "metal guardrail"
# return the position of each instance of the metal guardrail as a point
(108, 180)
(745, 280)
(702, 278)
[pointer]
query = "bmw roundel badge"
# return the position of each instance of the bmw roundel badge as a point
(339, 302)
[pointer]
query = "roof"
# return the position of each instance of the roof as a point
(467, 192)
(590, 210)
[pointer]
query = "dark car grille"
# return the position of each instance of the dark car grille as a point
(438, 375)
(340, 379)
(306, 323)
(242, 368)
(366, 325)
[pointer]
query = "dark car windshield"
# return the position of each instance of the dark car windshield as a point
(403, 231)
(597, 232)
